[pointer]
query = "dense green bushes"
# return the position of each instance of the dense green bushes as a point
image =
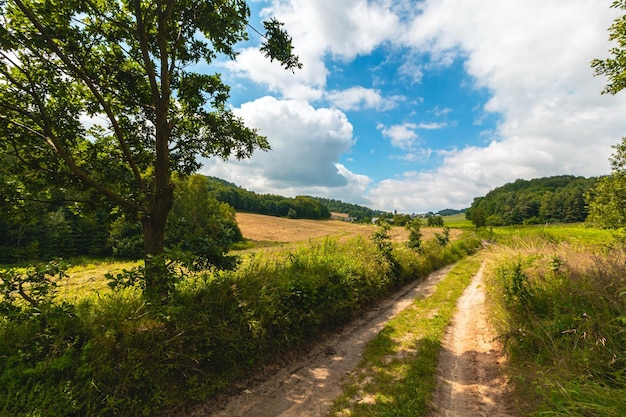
(562, 314)
(118, 355)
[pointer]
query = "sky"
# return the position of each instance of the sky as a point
(418, 106)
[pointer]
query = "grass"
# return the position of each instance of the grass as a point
(85, 277)
(398, 371)
(577, 234)
(560, 307)
(457, 221)
(116, 354)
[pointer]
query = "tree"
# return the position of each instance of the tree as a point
(614, 68)
(607, 202)
(415, 235)
(128, 68)
(202, 226)
(478, 217)
(607, 199)
(434, 221)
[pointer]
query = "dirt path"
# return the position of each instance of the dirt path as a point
(307, 385)
(469, 374)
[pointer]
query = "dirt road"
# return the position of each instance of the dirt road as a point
(307, 385)
(470, 379)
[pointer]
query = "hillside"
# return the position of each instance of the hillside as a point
(301, 207)
(542, 200)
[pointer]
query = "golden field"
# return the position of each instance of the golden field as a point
(261, 229)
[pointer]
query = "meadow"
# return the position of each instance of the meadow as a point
(557, 297)
(95, 351)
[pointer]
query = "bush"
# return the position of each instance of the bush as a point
(119, 355)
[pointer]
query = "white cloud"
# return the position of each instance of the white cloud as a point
(306, 145)
(402, 136)
(356, 98)
(321, 28)
(533, 56)
(432, 126)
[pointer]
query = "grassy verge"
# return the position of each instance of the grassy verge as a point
(397, 374)
(560, 307)
(118, 355)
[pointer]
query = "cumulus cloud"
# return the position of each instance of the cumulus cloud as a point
(322, 28)
(402, 136)
(358, 98)
(306, 145)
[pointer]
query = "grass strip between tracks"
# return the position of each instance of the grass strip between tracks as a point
(398, 372)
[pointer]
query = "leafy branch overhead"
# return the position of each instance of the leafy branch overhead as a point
(614, 68)
(107, 98)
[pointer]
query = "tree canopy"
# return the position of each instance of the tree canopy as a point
(614, 68)
(607, 200)
(541, 200)
(105, 97)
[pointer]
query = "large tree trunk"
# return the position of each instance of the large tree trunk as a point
(153, 222)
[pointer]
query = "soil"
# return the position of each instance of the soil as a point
(469, 375)
(470, 381)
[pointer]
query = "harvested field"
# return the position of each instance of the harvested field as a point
(263, 229)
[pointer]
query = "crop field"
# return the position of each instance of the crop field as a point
(267, 230)
(262, 233)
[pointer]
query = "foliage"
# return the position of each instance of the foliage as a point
(614, 67)
(201, 226)
(450, 212)
(443, 238)
(415, 235)
(434, 221)
(477, 216)
(562, 319)
(129, 68)
(119, 355)
(607, 199)
(27, 292)
(301, 207)
(197, 224)
(557, 199)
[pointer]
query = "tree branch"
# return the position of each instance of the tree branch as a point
(90, 84)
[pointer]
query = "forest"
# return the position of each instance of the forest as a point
(558, 199)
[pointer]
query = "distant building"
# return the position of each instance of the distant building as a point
(342, 216)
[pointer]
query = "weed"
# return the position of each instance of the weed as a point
(561, 315)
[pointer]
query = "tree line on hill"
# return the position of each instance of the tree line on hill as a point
(558, 199)
(60, 227)
(300, 207)
(202, 221)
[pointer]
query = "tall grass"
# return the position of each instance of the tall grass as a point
(118, 355)
(561, 309)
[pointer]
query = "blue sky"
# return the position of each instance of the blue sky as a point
(418, 106)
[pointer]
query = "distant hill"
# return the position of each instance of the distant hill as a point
(275, 205)
(558, 199)
(305, 207)
(450, 212)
